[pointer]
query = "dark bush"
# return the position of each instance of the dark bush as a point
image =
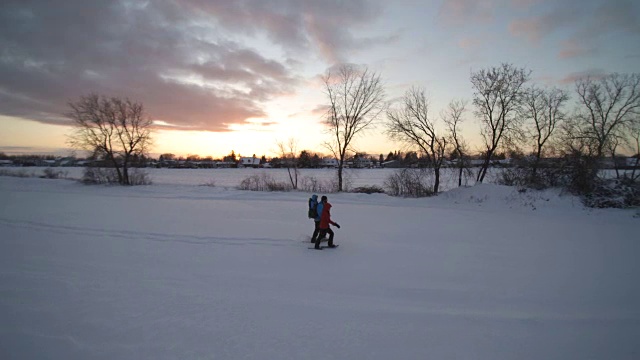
(263, 182)
(368, 190)
(51, 173)
(410, 183)
(614, 193)
(101, 175)
(313, 185)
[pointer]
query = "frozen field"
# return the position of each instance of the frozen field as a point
(230, 178)
(174, 271)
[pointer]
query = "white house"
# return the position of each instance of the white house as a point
(249, 162)
(329, 162)
(363, 162)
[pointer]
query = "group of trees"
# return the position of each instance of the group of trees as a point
(513, 115)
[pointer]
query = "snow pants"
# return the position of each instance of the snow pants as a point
(316, 231)
(323, 233)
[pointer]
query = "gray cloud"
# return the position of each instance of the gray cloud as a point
(181, 59)
(460, 12)
(586, 22)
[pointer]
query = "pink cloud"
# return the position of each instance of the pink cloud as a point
(574, 48)
(573, 77)
(532, 29)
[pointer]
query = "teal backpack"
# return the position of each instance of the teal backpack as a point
(313, 208)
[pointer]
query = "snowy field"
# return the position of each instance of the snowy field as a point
(176, 271)
(231, 178)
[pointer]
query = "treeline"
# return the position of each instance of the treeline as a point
(18, 158)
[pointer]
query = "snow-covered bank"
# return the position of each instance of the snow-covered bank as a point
(191, 272)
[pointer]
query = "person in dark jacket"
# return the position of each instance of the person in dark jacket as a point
(325, 220)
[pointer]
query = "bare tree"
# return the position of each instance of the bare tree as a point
(452, 116)
(611, 108)
(544, 108)
(635, 135)
(411, 124)
(356, 99)
(113, 129)
(288, 156)
(497, 95)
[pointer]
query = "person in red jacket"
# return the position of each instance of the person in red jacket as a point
(325, 220)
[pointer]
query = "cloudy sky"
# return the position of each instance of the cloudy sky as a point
(222, 75)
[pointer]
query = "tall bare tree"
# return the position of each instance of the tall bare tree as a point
(635, 136)
(411, 124)
(544, 108)
(288, 156)
(356, 99)
(452, 116)
(497, 94)
(113, 129)
(611, 108)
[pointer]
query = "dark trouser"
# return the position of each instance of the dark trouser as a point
(323, 233)
(316, 231)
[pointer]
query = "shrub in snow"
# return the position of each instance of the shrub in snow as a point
(410, 183)
(96, 175)
(263, 182)
(368, 190)
(553, 174)
(20, 173)
(50, 173)
(614, 193)
(100, 175)
(138, 177)
(313, 185)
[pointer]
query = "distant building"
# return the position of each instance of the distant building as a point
(363, 162)
(329, 162)
(249, 162)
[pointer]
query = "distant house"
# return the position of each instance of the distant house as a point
(249, 162)
(41, 162)
(362, 162)
(67, 161)
(329, 162)
(6, 163)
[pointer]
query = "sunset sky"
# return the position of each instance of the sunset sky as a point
(222, 75)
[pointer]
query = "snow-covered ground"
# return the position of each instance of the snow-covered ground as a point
(198, 272)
